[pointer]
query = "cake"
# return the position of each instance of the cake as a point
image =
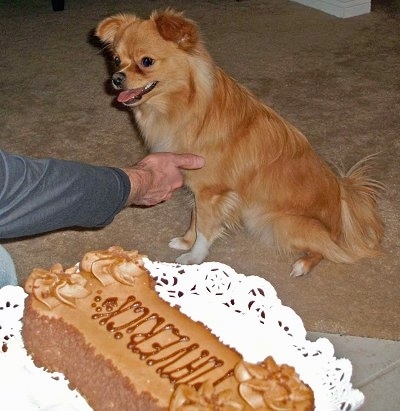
(102, 324)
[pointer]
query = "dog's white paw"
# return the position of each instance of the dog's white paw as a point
(189, 258)
(179, 243)
(198, 252)
(298, 269)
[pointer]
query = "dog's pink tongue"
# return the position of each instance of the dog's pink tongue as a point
(127, 95)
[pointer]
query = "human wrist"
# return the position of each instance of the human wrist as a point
(138, 182)
(134, 185)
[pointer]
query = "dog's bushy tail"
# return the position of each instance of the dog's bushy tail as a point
(362, 228)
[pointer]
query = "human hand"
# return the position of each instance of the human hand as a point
(158, 175)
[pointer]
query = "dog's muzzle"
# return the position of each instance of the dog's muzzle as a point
(118, 79)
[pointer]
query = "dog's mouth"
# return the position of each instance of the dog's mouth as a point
(131, 96)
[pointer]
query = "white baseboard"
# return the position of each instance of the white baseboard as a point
(339, 8)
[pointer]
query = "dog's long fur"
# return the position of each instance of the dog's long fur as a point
(260, 172)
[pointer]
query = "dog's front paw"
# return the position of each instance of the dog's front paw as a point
(179, 243)
(189, 258)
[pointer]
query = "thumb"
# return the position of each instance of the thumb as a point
(189, 161)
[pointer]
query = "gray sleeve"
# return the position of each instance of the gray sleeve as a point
(41, 195)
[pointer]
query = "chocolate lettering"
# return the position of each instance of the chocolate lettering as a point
(150, 337)
(178, 374)
(129, 305)
(139, 337)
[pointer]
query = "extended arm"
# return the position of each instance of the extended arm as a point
(40, 195)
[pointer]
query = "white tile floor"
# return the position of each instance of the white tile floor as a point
(376, 368)
(339, 8)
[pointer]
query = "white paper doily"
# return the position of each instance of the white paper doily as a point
(243, 311)
(246, 314)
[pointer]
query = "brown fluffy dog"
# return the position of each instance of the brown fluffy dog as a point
(260, 171)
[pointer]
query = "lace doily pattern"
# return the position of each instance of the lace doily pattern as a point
(245, 313)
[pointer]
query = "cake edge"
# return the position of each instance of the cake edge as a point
(99, 372)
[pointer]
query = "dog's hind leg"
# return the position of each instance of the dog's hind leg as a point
(213, 212)
(305, 264)
(310, 236)
(186, 242)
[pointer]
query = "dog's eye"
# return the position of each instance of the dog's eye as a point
(117, 61)
(147, 61)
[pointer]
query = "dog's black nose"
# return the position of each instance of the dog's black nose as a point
(118, 79)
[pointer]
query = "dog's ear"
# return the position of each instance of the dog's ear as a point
(174, 27)
(108, 28)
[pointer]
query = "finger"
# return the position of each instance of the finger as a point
(189, 161)
(167, 197)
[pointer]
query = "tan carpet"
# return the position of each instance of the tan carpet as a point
(337, 80)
